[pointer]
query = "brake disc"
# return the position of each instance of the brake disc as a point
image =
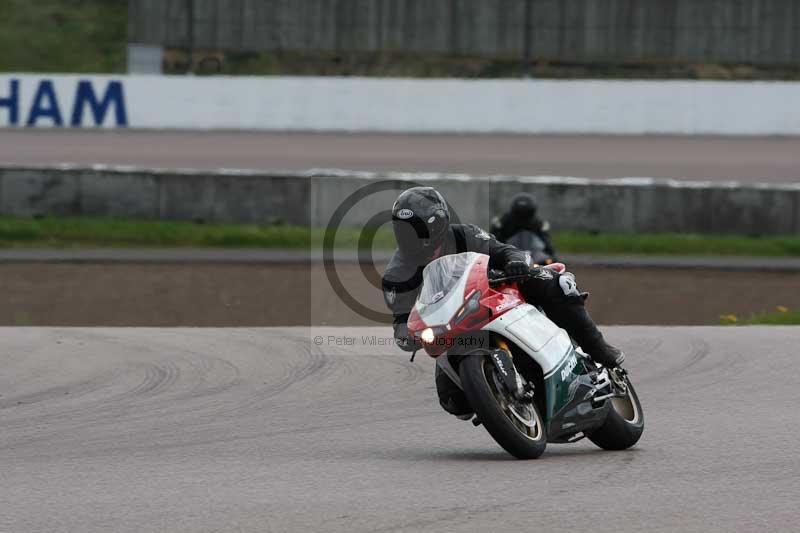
(530, 421)
(512, 405)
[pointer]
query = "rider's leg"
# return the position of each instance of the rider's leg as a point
(452, 398)
(560, 299)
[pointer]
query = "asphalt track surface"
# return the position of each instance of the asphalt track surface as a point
(263, 430)
(747, 159)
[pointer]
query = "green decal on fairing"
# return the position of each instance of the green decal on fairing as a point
(557, 382)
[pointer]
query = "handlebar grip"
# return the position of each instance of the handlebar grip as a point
(508, 279)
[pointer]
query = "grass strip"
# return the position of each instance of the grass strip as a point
(87, 36)
(94, 232)
(781, 316)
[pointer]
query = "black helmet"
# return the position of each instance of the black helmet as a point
(523, 207)
(420, 220)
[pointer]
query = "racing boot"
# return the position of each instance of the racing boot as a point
(573, 317)
(600, 351)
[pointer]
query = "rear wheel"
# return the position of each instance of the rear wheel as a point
(625, 422)
(516, 426)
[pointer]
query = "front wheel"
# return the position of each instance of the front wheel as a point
(516, 426)
(625, 422)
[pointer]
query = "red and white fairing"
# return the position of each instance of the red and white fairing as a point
(456, 299)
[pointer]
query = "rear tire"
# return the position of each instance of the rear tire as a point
(493, 409)
(624, 425)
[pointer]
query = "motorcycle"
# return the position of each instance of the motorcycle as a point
(533, 245)
(526, 381)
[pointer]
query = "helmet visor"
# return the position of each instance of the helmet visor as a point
(418, 236)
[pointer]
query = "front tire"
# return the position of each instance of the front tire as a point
(522, 435)
(624, 425)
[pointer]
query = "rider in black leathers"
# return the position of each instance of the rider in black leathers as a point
(422, 228)
(521, 216)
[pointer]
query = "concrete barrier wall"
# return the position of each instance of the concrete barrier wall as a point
(735, 31)
(620, 206)
(401, 105)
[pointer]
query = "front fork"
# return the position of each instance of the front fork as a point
(501, 358)
(521, 389)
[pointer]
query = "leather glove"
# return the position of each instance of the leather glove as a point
(408, 344)
(517, 268)
(405, 341)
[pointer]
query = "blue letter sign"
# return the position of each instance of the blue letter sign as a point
(84, 95)
(45, 105)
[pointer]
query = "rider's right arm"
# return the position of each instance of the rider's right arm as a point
(400, 297)
(400, 326)
(403, 340)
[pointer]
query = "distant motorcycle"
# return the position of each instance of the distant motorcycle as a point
(526, 382)
(533, 245)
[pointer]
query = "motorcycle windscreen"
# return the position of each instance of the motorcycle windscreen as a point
(443, 282)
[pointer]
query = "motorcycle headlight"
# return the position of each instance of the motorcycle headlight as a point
(428, 335)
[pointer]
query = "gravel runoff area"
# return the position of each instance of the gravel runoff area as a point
(224, 288)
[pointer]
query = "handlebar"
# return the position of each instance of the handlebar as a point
(493, 282)
(498, 277)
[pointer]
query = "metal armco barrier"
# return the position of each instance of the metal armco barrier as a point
(623, 205)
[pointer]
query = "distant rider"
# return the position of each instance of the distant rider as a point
(521, 217)
(422, 229)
